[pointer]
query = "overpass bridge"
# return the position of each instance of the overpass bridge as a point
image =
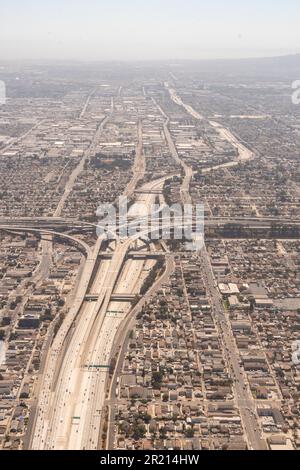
(52, 223)
(114, 297)
(136, 255)
(79, 244)
(239, 227)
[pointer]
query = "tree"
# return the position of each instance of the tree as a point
(139, 431)
(162, 433)
(157, 378)
(146, 418)
(189, 433)
(5, 321)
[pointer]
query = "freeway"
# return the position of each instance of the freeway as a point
(79, 168)
(86, 103)
(177, 100)
(71, 402)
(84, 247)
(139, 167)
(53, 359)
(51, 227)
(85, 433)
(188, 172)
(244, 152)
(65, 362)
(60, 225)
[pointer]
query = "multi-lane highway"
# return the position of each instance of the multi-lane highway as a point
(71, 402)
(139, 167)
(244, 153)
(51, 226)
(188, 172)
(79, 168)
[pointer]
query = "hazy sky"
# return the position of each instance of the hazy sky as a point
(154, 29)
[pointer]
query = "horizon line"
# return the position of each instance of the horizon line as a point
(82, 60)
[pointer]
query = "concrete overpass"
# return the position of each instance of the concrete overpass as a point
(86, 337)
(135, 255)
(79, 244)
(114, 297)
(65, 224)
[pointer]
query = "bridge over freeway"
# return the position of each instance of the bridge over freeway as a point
(53, 223)
(79, 244)
(239, 227)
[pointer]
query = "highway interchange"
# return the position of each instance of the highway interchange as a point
(72, 397)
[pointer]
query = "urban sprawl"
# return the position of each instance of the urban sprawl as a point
(140, 343)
